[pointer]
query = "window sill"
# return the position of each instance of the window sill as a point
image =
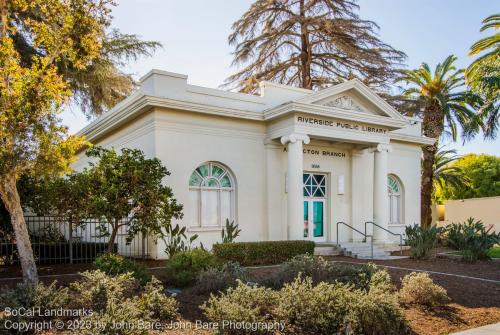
(203, 229)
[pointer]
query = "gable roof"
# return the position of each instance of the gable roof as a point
(308, 104)
(359, 87)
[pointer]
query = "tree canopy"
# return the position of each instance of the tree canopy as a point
(483, 75)
(50, 51)
(32, 93)
(91, 69)
(447, 108)
(309, 44)
(483, 174)
(127, 190)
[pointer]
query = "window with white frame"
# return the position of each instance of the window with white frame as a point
(395, 192)
(211, 195)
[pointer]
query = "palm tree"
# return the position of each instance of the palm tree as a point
(445, 108)
(445, 173)
(483, 74)
(309, 44)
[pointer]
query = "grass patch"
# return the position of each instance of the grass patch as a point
(493, 252)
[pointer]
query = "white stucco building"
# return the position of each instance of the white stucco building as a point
(286, 164)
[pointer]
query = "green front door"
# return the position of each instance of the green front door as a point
(314, 207)
(314, 219)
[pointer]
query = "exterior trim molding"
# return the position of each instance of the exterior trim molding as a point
(422, 140)
(333, 112)
(364, 90)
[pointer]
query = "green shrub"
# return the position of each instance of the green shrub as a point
(186, 265)
(116, 300)
(240, 304)
(376, 312)
(261, 253)
(220, 278)
(113, 265)
(309, 266)
(40, 297)
(472, 238)
(230, 232)
(421, 240)
(321, 270)
(319, 309)
(358, 275)
(305, 308)
(156, 305)
(380, 281)
(97, 291)
(119, 318)
(419, 289)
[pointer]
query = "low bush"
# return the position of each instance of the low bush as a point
(305, 308)
(419, 289)
(380, 282)
(241, 304)
(113, 265)
(376, 312)
(321, 270)
(118, 306)
(220, 278)
(422, 240)
(358, 275)
(185, 266)
(319, 309)
(156, 305)
(97, 291)
(471, 238)
(28, 297)
(262, 253)
(309, 266)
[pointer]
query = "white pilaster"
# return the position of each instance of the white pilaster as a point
(380, 197)
(362, 193)
(295, 206)
(276, 223)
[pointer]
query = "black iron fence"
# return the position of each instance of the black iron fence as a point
(55, 241)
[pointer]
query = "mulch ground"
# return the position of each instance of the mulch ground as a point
(474, 303)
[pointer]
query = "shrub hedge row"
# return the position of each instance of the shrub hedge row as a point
(261, 253)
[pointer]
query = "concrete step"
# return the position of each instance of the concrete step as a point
(363, 250)
(326, 250)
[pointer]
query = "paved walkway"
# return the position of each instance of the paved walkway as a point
(493, 329)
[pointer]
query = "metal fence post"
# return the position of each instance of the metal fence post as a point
(143, 246)
(70, 242)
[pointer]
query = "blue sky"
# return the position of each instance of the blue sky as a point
(194, 35)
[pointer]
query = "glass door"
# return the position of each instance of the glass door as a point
(315, 207)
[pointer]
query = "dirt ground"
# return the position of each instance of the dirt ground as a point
(474, 302)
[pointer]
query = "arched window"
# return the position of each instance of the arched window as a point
(395, 192)
(211, 192)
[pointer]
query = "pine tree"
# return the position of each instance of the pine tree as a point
(309, 44)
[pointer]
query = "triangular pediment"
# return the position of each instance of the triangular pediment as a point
(352, 96)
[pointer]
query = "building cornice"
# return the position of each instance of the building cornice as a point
(422, 140)
(138, 104)
(333, 112)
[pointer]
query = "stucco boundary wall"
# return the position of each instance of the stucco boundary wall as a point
(484, 209)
